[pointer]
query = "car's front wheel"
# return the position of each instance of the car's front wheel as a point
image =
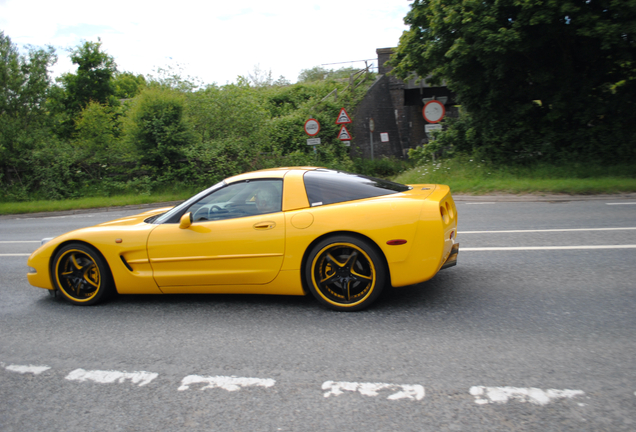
(82, 275)
(345, 273)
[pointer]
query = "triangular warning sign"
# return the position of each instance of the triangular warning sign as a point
(344, 134)
(343, 117)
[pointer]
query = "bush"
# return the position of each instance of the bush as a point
(157, 127)
(383, 167)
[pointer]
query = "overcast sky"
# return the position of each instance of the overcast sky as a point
(215, 41)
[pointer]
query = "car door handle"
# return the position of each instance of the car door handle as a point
(264, 225)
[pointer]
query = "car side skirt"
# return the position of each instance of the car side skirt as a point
(288, 282)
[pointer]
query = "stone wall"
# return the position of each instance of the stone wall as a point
(396, 107)
(376, 105)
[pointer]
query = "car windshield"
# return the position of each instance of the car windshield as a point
(165, 217)
(328, 187)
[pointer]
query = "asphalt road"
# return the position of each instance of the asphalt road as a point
(538, 337)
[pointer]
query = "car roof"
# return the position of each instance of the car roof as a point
(268, 173)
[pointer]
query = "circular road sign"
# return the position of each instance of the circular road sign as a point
(312, 127)
(433, 111)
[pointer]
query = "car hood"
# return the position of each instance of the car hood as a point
(134, 219)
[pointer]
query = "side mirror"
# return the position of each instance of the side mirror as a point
(185, 221)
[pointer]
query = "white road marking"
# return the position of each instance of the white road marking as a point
(404, 391)
(107, 377)
(484, 395)
(229, 383)
(627, 203)
(68, 216)
(20, 241)
(545, 230)
(528, 248)
(35, 370)
(8, 255)
(476, 203)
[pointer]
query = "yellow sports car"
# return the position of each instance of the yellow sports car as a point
(339, 236)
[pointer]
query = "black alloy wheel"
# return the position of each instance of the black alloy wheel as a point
(345, 273)
(82, 275)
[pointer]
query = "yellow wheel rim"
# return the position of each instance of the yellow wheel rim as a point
(78, 275)
(343, 274)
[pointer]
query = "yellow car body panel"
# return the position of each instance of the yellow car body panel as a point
(132, 232)
(247, 250)
(414, 230)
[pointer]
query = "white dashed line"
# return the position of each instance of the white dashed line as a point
(402, 391)
(627, 203)
(229, 383)
(477, 203)
(107, 377)
(545, 230)
(530, 248)
(22, 369)
(482, 395)
(20, 241)
(501, 395)
(13, 255)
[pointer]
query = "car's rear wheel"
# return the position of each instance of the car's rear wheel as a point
(82, 275)
(345, 273)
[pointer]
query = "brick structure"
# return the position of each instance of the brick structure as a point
(396, 109)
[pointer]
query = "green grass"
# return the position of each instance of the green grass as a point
(470, 176)
(463, 175)
(94, 202)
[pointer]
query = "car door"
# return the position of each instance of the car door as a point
(232, 239)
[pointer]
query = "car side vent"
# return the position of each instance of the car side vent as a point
(125, 263)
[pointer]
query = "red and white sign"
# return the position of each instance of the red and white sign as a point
(344, 134)
(312, 127)
(434, 111)
(343, 117)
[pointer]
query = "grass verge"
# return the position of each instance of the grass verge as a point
(85, 203)
(464, 175)
(470, 176)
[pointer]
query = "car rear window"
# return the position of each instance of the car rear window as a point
(329, 187)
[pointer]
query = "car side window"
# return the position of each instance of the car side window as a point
(246, 198)
(328, 187)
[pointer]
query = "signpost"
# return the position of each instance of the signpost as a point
(343, 117)
(430, 128)
(371, 129)
(433, 111)
(344, 135)
(312, 127)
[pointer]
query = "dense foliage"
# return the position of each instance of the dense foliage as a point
(98, 131)
(536, 79)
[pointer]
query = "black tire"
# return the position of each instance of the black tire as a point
(82, 275)
(345, 273)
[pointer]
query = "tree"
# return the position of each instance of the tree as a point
(316, 73)
(158, 127)
(127, 85)
(545, 78)
(24, 82)
(93, 81)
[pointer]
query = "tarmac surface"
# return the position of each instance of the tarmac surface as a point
(456, 197)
